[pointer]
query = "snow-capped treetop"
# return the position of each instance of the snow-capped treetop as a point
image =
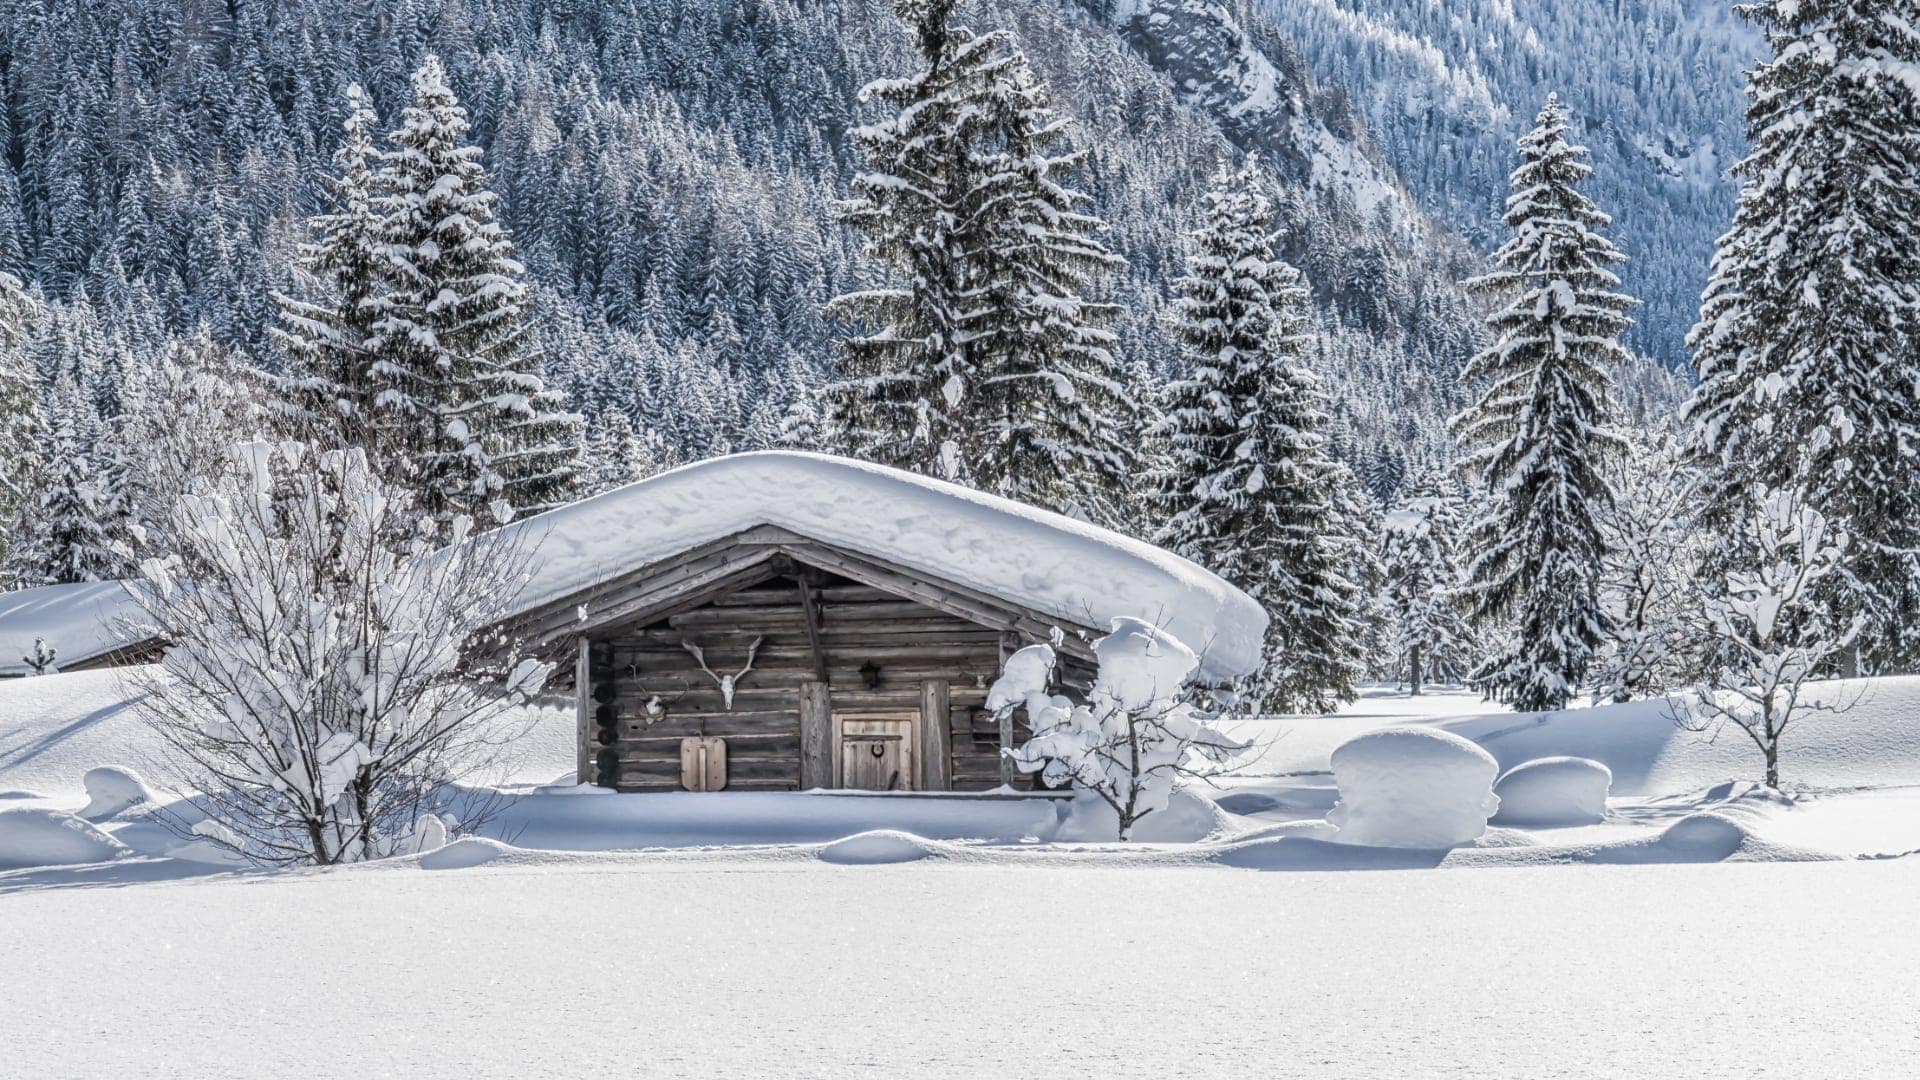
(1053, 564)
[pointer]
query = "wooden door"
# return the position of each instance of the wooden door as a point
(875, 752)
(703, 763)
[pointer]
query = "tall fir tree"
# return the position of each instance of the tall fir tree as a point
(1249, 488)
(1049, 417)
(329, 385)
(1535, 440)
(22, 426)
(903, 381)
(1808, 346)
(463, 408)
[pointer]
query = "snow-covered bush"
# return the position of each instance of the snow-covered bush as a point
(1413, 787)
(36, 837)
(1554, 791)
(1136, 737)
(321, 689)
(41, 660)
(1766, 626)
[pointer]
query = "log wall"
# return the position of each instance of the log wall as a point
(648, 692)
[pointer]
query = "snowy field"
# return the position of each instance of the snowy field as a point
(1703, 928)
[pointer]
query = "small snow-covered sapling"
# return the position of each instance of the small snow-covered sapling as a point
(41, 659)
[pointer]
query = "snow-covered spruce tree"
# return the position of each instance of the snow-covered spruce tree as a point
(1048, 419)
(1137, 736)
(1766, 617)
(1249, 488)
(22, 426)
(1808, 346)
(463, 414)
(319, 689)
(329, 386)
(1535, 441)
(72, 540)
(904, 381)
(1420, 552)
(1646, 585)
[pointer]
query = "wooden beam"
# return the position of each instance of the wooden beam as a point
(816, 736)
(810, 611)
(935, 731)
(582, 708)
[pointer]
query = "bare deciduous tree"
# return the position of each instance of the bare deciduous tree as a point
(319, 691)
(1768, 630)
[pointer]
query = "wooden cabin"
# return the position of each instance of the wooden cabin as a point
(769, 662)
(794, 621)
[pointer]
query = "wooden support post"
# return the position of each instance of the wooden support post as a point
(811, 612)
(1009, 643)
(934, 731)
(583, 710)
(816, 736)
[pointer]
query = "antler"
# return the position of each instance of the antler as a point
(752, 651)
(701, 657)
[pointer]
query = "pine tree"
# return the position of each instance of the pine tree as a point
(463, 407)
(329, 382)
(900, 399)
(1535, 439)
(1048, 419)
(1419, 550)
(1810, 325)
(1249, 489)
(73, 543)
(22, 434)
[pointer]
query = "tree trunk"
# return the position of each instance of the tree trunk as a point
(1773, 765)
(1414, 661)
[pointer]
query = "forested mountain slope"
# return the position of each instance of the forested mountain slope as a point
(668, 168)
(1653, 87)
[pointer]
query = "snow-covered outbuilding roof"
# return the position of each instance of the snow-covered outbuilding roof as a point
(81, 623)
(1081, 574)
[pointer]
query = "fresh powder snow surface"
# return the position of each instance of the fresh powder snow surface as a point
(79, 622)
(1553, 792)
(630, 966)
(1053, 564)
(1412, 787)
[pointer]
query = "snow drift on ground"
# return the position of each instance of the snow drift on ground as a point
(1555, 791)
(34, 836)
(1412, 788)
(1065, 568)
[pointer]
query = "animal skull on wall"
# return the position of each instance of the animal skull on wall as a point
(727, 683)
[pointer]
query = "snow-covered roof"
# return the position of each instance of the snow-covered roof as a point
(79, 622)
(1050, 564)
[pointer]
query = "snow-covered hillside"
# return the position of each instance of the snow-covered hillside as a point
(1653, 87)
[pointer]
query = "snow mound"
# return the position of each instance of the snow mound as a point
(1705, 837)
(1077, 572)
(467, 852)
(36, 837)
(112, 791)
(79, 622)
(1554, 792)
(1185, 819)
(876, 848)
(1412, 788)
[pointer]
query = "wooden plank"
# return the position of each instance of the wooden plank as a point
(1006, 743)
(935, 737)
(816, 735)
(812, 616)
(583, 707)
